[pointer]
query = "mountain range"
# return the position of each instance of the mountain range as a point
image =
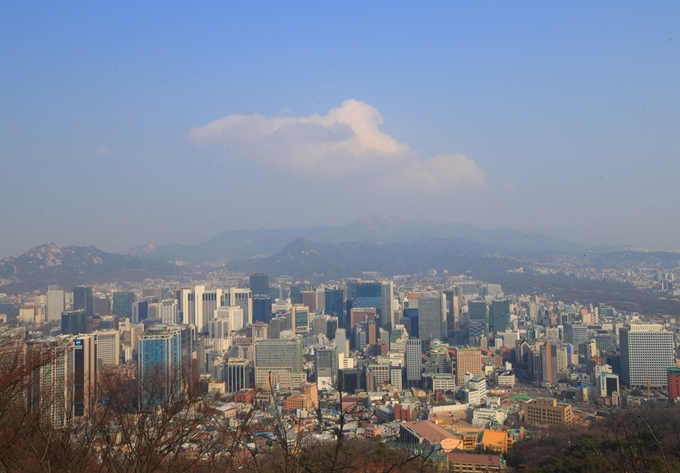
(73, 265)
(243, 244)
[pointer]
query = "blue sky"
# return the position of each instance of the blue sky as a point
(127, 124)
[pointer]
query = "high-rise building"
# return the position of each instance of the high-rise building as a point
(278, 363)
(56, 303)
(73, 322)
(673, 376)
(107, 347)
(326, 364)
(237, 373)
(242, 298)
(102, 305)
(262, 308)
(414, 361)
(301, 318)
(84, 375)
(431, 316)
(232, 313)
(50, 394)
(499, 315)
(122, 304)
(387, 320)
(576, 334)
(160, 365)
(477, 310)
(646, 355)
(467, 360)
(169, 312)
(259, 284)
(198, 305)
(309, 299)
(334, 299)
(83, 300)
(140, 311)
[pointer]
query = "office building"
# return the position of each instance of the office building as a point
(467, 360)
(140, 311)
(477, 310)
(84, 375)
(673, 378)
(169, 312)
(414, 361)
(83, 300)
(334, 300)
(107, 347)
(576, 334)
(543, 411)
(242, 298)
(232, 313)
(122, 304)
(56, 303)
(431, 316)
(499, 315)
(237, 374)
(259, 284)
(102, 305)
(278, 363)
(387, 316)
(647, 351)
(73, 322)
(262, 308)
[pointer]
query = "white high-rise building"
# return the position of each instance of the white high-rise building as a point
(646, 353)
(242, 298)
(387, 318)
(233, 313)
(56, 303)
(107, 347)
(169, 312)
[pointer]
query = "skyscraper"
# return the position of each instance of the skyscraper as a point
(576, 334)
(387, 305)
(334, 299)
(414, 361)
(160, 365)
(431, 316)
(477, 310)
(56, 303)
(646, 354)
(85, 375)
(83, 300)
(73, 322)
(122, 304)
(107, 347)
(301, 318)
(140, 311)
(499, 315)
(262, 308)
(169, 312)
(259, 284)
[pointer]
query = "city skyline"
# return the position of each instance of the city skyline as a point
(123, 126)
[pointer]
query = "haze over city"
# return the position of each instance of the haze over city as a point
(122, 125)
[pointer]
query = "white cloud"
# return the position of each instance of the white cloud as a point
(345, 141)
(103, 150)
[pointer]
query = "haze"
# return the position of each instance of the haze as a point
(128, 124)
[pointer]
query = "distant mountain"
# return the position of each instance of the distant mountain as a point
(303, 259)
(240, 244)
(73, 265)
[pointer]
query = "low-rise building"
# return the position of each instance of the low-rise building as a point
(544, 411)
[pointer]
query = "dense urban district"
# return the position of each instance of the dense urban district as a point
(422, 372)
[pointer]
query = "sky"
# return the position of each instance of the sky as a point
(125, 124)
